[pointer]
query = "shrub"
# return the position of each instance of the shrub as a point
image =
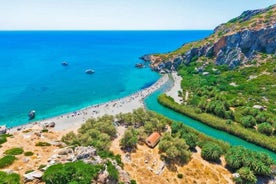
(246, 176)
(211, 151)
(133, 182)
(180, 176)
(42, 144)
(129, 139)
(248, 121)
(174, 149)
(28, 153)
(14, 151)
(265, 128)
(191, 139)
(72, 172)
(3, 138)
(6, 178)
(7, 160)
(44, 130)
(29, 171)
(109, 154)
(113, 172)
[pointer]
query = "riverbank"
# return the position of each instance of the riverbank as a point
(73, 120)
(220, 124)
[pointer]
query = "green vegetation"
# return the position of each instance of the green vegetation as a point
(96, 132)
(72, 172)
(265, 128)
(6, 178)
(41, 166)
(29, 171)
(133, 182)
(7, 160)
(174, 149)
(211, 152)
(180, 176)
(44, 130)
(3, 138)
(181, 130)
(129, 139)
(14, 151)
(246, 176)
(108, 154)
(42, 144)
(221, 124)
(28, 153)
(113, 173)
(242, 159)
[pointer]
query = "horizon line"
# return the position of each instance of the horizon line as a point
(106, 30)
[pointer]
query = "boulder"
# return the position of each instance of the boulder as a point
(3, 130)
(33, 175)
(84, 152)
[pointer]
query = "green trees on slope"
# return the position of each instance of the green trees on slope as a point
(72, 173)
(174, 149)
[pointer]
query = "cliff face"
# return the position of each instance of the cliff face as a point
(235, 43)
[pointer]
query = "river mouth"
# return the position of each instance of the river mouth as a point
(152, 104)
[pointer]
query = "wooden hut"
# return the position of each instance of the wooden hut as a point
(153, 139)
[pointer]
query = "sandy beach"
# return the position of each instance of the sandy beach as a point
(122, 105)
(173, 92)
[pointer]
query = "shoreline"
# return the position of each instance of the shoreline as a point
(73, 120)
(176, 87)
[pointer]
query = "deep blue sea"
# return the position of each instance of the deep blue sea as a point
(32, 77)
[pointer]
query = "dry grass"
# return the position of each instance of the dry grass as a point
(146, 161)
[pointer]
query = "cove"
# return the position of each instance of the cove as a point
(152, 104)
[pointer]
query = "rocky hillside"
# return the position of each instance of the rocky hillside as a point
(242, 40)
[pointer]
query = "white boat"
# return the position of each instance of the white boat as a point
(89, 71)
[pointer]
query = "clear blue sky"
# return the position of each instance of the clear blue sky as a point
(121, 14)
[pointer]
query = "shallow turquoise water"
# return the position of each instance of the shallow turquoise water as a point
(152, 104)
(31, 75)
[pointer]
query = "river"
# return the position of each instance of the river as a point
(152, 104)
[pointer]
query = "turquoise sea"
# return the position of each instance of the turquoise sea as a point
(32, 77)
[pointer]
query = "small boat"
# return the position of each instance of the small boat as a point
(139, 65)
(31, 115)
(64, 63)
(89, 71)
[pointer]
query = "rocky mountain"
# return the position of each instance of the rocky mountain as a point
(240, 41)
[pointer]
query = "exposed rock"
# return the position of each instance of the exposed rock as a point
(33, 175)
(3, 130)
(84, 152)
(205, 73)
(102, 177)
(65, 151)
(234, 47)
(57, 143)
(260, 107)
(49, 124)
(146, 57)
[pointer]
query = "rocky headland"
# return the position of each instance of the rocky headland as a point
(238, 42)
